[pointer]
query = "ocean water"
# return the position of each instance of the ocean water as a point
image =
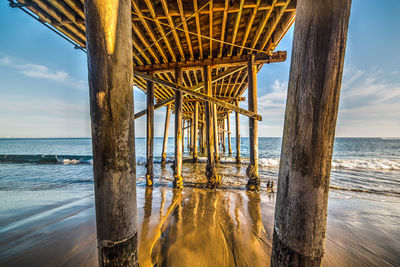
(37, 172)
(47, 214)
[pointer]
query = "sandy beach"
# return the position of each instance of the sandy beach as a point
(198, 227)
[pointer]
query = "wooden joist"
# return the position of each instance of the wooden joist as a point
(260, 58)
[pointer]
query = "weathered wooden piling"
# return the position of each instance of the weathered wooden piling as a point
(178, 180)
(215, 125)
(109, 45)
(223, 135)
(183, 136)
(237, 124)
(312, 104)
(165, 140)
(191, 133)
(188, 136)
(252, 170)
(228, 125)
(195, 131)
(149, 132)
(211, 172)
(203, 135)
(201, 125)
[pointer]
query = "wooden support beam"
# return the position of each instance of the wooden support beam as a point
(178, 180)
(273, 24)
(192, 133)
(236, 26)
(192, 100)
(203, 136)
(197, 87)
(141, 35)
(113, 137)
(183, 135)
(189, 137)
(149, 30)
(211, 172)
(149, 132)
(174, 33)
(319, 45)
(223, 135)
(198, 28)
(210, 28)
(185, 27)
(252, 170)
(152, 11)
(249, 25)
(195, 131)
(262, 23)
(72, 31)
(199, 95)
(215, 124)
(224, 27)
(229, 132)
(218, 62)
(165, 140)
(237, 124)
(218, 6)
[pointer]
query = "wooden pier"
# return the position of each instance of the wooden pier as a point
(197, 58)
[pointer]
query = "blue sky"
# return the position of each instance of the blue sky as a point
(44, 90)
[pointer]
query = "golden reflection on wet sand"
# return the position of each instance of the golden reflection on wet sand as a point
(201, 227)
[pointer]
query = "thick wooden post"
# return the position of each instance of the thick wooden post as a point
(237, 122)
(223, 135)
(228, 124)
(183, 136)
(178, 180)
(165, 141)
(203, 134)
(216, 132)
(211, 172)
(195, 131)
(149, 132)
(188, 135)
(109, 45)
(252, 170)
(201, 144)
(191, 134)
(319, 45)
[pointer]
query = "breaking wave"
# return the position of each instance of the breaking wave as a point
(367, 164)
(46, 159)
(267, 163)
(374, 164)
(337, 164)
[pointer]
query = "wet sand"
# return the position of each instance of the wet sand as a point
(199, 227)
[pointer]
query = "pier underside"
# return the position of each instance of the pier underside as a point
(197, 58)
(186, 35)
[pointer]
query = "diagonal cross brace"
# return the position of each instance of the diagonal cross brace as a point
(196, 87)
(193, 92)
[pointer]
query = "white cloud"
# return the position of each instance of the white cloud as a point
(369, 104)
(42, 72)
(39, 71)
(4, 61)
